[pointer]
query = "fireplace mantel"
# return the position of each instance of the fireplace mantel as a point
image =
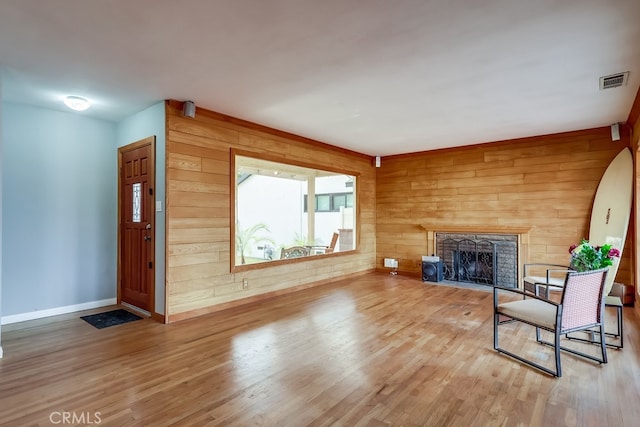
(479, 229)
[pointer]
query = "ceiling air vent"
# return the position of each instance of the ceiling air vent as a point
(614, 80)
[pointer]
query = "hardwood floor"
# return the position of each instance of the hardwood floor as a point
(375, 350)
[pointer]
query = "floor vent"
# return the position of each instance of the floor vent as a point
(614, 80)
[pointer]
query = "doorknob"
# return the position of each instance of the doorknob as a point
(147, 238)
(148, 227)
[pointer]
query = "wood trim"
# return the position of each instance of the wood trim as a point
(165, 316)
(483, 229)
(634, 114)
(633, 232)
(279, 159)
(234, 268)
(160, 318)
(507, 142)
(266, 129)
(259, 298)
(276, 262)
(417, 275)
(631, 127)
(118, 229)
(232, 211)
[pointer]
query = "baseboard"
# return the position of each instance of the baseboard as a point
(159, 317)
(22, 317)
(136, 310)
(257, 298)
(417, 274)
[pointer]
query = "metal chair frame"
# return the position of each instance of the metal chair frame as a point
(609, 301)
(616, 303)
(501, 318)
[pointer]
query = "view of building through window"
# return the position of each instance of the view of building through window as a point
(286, 211)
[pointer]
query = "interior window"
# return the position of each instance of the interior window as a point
(285, 211)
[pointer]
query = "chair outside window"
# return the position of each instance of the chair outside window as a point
(332, 245)
(581, 307)
(316, 250)
(294, 252)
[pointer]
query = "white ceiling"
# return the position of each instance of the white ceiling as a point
(379, 77)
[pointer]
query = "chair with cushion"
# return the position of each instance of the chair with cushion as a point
(551, 275)
(543, 279)
(581, 307)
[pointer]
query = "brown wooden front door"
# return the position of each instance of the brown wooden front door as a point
(136, 255)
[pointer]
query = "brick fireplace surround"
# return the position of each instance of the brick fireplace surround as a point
(458, 248)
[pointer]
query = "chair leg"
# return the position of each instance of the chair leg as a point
(496, 319)
(557, 352)
(620, 326)
(495, 331)
(603, 343)
(545, 295)
(496, 346)
(603, 346)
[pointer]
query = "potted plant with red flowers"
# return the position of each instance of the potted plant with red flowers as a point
(585, 256)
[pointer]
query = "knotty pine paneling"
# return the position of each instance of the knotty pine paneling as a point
(198, 213)
(544, 183)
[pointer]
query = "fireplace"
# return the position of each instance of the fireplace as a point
(486, 259)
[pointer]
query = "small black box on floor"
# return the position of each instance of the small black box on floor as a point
(432, 271)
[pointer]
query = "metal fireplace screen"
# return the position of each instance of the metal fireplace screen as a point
(482, 261)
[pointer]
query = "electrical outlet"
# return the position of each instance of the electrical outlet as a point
(245, 283)
(390, 262)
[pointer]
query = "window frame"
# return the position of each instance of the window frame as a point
(278, 159)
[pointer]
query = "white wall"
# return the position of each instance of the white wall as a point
(150, 122)
(59, 222)
(59, 216)
(280, 209)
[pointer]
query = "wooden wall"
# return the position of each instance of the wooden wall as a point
(544, 183)
(198, 273)
(633, 123)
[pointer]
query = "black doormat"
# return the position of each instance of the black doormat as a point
(110, 318)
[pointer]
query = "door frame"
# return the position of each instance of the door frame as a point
(151, 141)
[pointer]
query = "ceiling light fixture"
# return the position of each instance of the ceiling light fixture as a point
(77, 103)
